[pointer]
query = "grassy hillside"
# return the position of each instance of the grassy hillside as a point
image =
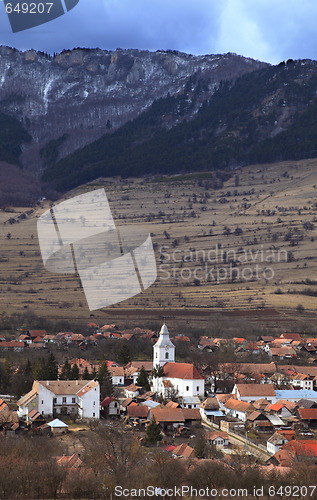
(264, 216)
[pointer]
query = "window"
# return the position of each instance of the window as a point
(73, 400)
(156, 355)
(187, 387)
(166, 355)
(64, 399)
(94, 403)
(55, 401)
(197, 388)
(42, 402)
(93, 414)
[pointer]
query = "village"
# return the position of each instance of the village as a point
(267, 410)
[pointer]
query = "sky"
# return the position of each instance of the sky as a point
(267, 30)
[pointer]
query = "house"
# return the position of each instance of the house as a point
(33, 334)
(308, 415)
(253, 392)
(24, 338)
(261, 404)
(210, 410)
(190, 402)
(117, 374)
(137, 412)
(217, 438)
(267, 339)
(184, 451)
(62, 397)
(49, 339)
(168, 418)
(181, 378)
(132, 370)
(280, 408)
(110, 407)
(191, 415)
(132, 391)
(35, 418)
(296, 450)
(302, 381)
(292, 336)
(12, 345)
(275, 443)
(259, 421)
(238, 409)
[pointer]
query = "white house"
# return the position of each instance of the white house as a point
(275, 442)
(110, 407)
(238, 409)
(217, 438)
(210, 409)
(302, 381)
(253, 392)
(62, 397)
(117, 374)
(181, 378)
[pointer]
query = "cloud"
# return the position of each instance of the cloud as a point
(269, 30)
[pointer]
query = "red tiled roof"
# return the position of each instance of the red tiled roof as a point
(11, 343)
(307, 413)
(287, 433)
(246, 390)
(276, 407)
(184, 371)
(305, 447)
(106, 402)
(163, 414)
(37, 333)
(234, 404)
(138, 411)
(87, 388)
(292, 336)
(191, 414)
(116, 371)
(172, 404)
(183, 450)
(215, 434)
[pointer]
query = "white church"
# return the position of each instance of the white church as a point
(182, 379)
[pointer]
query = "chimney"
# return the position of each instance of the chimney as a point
(47, 382)
(76, 382)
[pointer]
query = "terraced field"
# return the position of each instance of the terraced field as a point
(247, 249)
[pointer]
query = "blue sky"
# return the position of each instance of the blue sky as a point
(268, 30)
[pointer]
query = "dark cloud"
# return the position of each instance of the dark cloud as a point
(270, 30)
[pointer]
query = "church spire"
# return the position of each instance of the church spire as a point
(164, 349)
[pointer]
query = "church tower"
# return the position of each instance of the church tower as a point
(163, 350)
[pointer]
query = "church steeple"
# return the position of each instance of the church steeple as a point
(164, 349)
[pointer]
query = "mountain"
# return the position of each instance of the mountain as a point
(262, 116)
(84, 113)
(70, 99)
